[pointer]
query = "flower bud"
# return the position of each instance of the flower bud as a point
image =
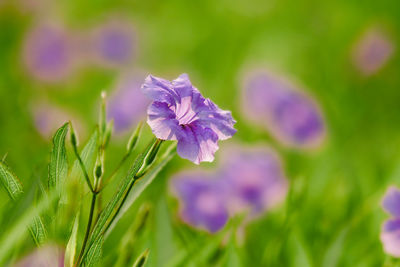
(149, 158)
(74, 138)
(141, 260)
(134, 138)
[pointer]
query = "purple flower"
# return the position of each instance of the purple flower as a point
(201, 201)
(372, 51)
(288, 113)
(180, 112)
(113, 43)
(127, 104)
(253, 179)
(48, 53)
(48, 256)
(48, 118)
(390, 235)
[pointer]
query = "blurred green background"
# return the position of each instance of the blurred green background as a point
(332, 216)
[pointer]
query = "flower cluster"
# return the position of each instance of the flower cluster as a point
(250, 180)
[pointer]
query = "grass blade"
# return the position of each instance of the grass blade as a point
(70, 250)
(58, 167)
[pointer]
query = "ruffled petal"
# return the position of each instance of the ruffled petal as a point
(162, 122)
(391, 201)
(196, 143)
(220, 121)
(160, 90)
(182, 86)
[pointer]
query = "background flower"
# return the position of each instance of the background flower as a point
(253, 179)
(48, 53)
(372, 51)
(288, 113)
(127, 104)
(201, 200)
(47, 256)
(390, 235)
(112, 43)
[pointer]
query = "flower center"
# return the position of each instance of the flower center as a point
(184, 112)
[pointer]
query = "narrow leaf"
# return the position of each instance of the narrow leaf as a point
(93, 255)
(10, 181)
(58, 167)
(71, 246)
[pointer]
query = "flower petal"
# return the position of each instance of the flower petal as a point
(182, 86)
(162, 122)
(196, 143)
(160, 90)
(220, 121)
(391, 201)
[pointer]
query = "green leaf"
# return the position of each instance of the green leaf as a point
(10, 181)
(71, 246)
(15, 190)
(144, 183)
(93, 255)
(15, 234)
(58, 167)
(38, 231)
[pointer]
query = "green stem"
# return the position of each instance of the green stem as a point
(88, 228)
(82, 165)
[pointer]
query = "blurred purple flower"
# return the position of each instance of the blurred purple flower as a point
(390, 235)
(372, 51)
(253, 179)
(127, 104)
(48, 256)
(180, 112)
(113, 43)
(48, 119)
(288, 113)
(48, 53)
(201, 201)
